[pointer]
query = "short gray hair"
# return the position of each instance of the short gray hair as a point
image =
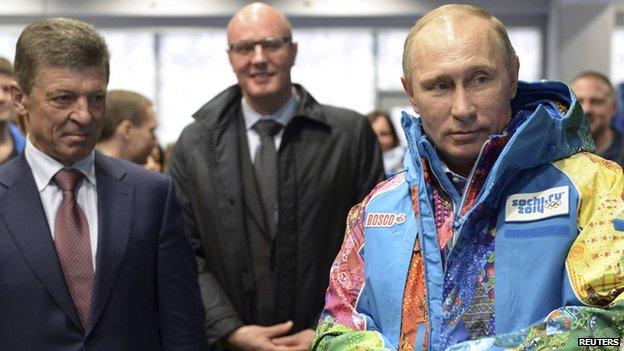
(59, 42)
(502, 38)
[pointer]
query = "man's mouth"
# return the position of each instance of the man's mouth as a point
(261, 75)
(465, 135)
(77, 135)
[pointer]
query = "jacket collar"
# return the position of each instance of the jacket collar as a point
(24, 217)
(548, 125)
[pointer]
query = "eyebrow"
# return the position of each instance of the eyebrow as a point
(445, 76)
(58, 91)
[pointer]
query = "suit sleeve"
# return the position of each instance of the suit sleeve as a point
(345, 324)
(221, 317)
(370, 161)
(180, 309)
(594, 266)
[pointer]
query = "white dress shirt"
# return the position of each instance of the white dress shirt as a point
(281, 116)
(44, 168)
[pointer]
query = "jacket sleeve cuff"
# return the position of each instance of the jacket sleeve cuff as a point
(218, 331)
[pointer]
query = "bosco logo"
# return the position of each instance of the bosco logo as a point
(384, 220)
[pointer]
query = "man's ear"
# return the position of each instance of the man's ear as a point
(230, 60)
(294, 49)
(409, 90)
(19, 98)
(515, 68)
(123, 130)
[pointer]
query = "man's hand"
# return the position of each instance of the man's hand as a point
(259, 338)
(300, 341)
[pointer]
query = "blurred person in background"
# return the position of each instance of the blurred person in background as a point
(266, 175)
(12, 140)
(168, 156)
(597, 97)
(618, 119)
(393, 153)
(128, 127)
(155, 160)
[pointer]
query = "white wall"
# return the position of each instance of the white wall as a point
(154, 8)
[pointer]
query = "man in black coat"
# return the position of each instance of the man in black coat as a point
(266, 176)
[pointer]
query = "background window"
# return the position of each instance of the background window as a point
(336, 66)
(132, 61)
(617, 56)
(193, 69)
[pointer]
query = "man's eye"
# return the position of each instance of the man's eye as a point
(272, 44)
(244, 47)
(440, 86)
(97, 99)
(247, 47)
(597, 101)
(62, 99)
(481, 79)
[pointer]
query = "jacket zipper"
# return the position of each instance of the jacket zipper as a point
(458, 220)
(453, 205)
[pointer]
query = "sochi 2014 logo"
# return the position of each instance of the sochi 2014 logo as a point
(538, 204)
(547, 203)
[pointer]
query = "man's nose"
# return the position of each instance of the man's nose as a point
(81, 113)
(462, 106)
(258, 54)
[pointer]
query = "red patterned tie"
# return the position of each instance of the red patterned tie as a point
(73, 245)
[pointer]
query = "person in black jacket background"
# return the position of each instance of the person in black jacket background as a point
(266, 176)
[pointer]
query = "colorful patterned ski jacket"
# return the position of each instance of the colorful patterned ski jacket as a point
(531, 256)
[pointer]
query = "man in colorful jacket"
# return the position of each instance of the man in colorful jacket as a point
(505, 231)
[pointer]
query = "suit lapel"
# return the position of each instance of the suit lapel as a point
(114, 222)
(24, 216)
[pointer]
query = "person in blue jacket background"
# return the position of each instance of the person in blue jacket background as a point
(504, 232)
(12, 140)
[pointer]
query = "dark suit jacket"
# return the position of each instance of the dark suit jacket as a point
(146, 295)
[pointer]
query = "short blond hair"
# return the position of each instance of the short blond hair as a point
(6, 67)
(123, 105)
(598, 76)
(502, 38)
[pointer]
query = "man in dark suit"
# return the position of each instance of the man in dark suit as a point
(266, 176)
(92, 251)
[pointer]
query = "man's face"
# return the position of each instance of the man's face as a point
(460, 86)
(597, 101)
(384, 134)
(64, 110)
(6, 106)
(141, 140)
(262, 72)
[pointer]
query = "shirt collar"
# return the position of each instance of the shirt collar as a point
(458, 181)
(45, 167)
(281, 116)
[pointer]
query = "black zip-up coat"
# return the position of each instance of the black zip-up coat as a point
(329, 160)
